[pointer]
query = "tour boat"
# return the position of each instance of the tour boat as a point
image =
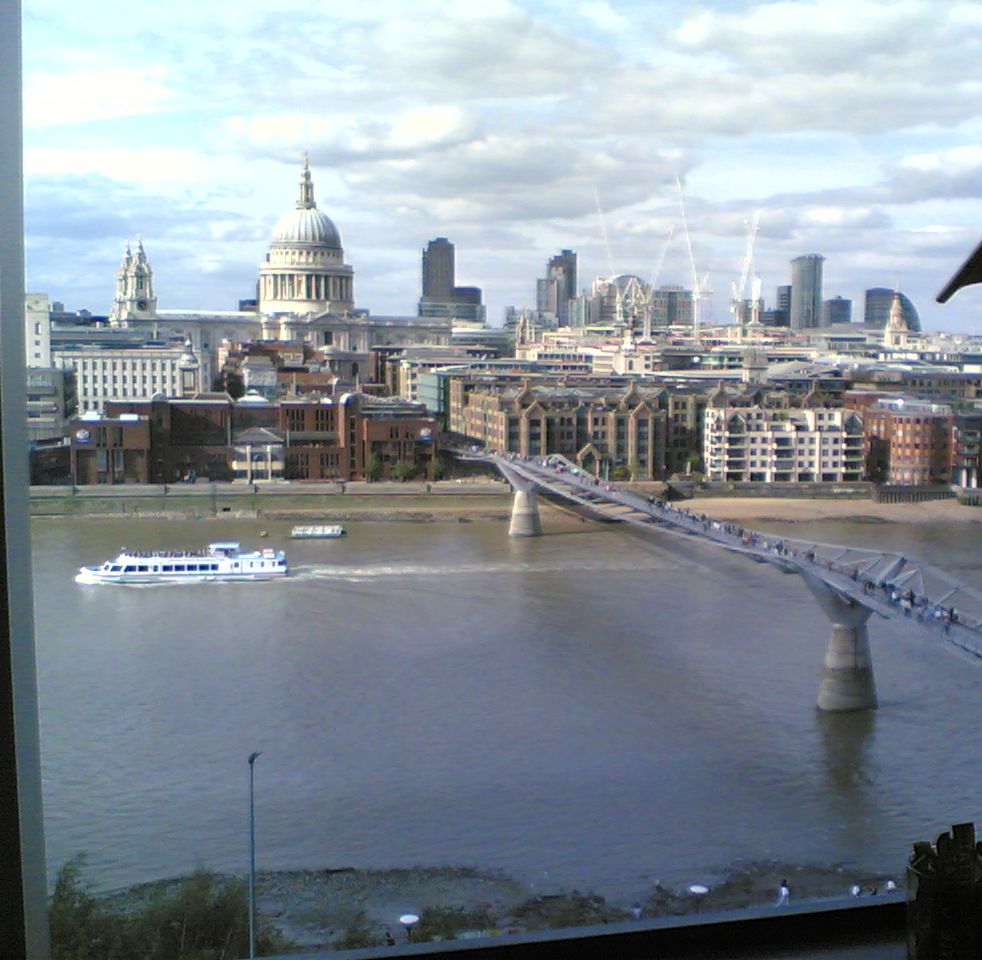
(221, 561)
(316, 531)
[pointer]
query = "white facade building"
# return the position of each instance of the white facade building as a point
(765, 444)
(129, 373)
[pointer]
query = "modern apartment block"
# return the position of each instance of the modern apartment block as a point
(758, 439)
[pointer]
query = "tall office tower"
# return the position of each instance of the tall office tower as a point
(806, 291)
(877, 309)
(438, 270)
(441, 297)
(547, 297)
(780, 315)
(837, 310)
(562, 269)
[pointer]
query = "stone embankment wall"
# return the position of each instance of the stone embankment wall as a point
(280, 500)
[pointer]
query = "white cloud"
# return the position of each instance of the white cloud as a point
(85, 95)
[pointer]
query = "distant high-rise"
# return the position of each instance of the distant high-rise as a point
(441, 297)
(562, 269)
(877, 309)
(438, 269)
(780, 316)
(806, 291)
(837, 310)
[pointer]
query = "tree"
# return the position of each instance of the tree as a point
(436, 469)
(373, 467)
(231, 382)
(620, 473)
(404, 470)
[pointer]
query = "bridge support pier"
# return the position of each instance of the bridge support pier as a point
(525, 520)
(847, 681)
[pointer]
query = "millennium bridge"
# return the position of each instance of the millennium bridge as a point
(850, 584)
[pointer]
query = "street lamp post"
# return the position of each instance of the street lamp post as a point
(409, 920)
(252, 857)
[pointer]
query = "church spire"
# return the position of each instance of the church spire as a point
(306, 199)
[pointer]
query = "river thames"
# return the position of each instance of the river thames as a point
(597, 708)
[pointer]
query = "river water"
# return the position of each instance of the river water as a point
(594, 708)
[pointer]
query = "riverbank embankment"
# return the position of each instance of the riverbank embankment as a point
(447, 500)
(335, 502)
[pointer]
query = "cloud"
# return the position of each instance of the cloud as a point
(85, 95)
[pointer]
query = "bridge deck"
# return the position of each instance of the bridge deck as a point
(893, 586)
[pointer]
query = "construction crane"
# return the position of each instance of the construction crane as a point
(700, 288)
(659, 263)
(738, 289)
(603, 230)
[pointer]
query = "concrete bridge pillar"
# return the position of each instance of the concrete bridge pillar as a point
(525, 520)
(847, 681)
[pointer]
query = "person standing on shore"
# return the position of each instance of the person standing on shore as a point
(783, 894)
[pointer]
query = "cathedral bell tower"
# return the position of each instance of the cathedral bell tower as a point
(134, 298)
(895, 332)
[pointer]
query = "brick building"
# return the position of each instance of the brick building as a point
(214, 437)
(909, 441)
(598, 429)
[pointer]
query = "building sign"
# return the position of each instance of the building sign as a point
(82, 436)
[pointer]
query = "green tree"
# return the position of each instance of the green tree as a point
(404, 470)
(373, 467)
(436, 469)
(620, 473)
(231, 382)
(81, 929)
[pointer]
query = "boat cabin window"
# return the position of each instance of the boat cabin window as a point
(179, 567)
(129, 569)
(169, 568)
(142, 568)
(115, 568)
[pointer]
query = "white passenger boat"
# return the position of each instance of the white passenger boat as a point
(317, 531)
(221, 561)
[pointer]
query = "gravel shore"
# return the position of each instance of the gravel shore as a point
(346, 908)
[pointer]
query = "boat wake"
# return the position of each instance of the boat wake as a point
(353, 574)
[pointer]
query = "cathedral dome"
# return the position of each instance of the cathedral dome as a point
(305, 223)
(304, 272)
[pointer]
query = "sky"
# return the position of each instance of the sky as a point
(515, 128)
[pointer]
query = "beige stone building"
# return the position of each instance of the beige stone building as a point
(772, 438)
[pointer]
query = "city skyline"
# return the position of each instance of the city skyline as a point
(853, 128)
